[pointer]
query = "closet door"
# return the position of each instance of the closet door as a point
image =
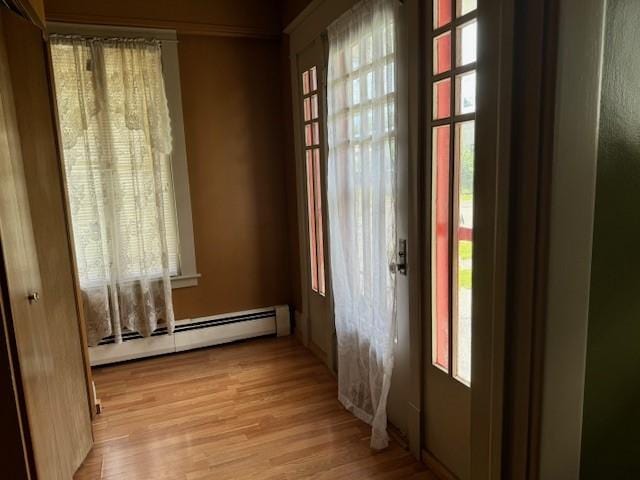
(37, 258)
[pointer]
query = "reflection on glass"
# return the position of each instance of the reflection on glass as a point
(313, 79)
(442, 53)
(314, 106)
(307, 110)
(462, 314)
(466, 93)
(319, 230)
(305, 82)
(312, 221)
(316, 133)
(441, 13)
(442, 99)
(355, 88)
(466, 6)
(467, 43)
(440, 256)
(308, 136)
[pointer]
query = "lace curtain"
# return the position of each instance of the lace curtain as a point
(361, 185)
(116, 140)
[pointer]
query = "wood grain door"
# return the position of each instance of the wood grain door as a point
(35, 247)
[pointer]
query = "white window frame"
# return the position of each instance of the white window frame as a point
(189, 275)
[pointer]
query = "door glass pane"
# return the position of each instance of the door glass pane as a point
(312, 220)
(314, 106)
(442, 99)
(307, 109)
(319, 229)
(464, 151)
(467, 43)
(466, 93)
(441, 12)
(440, 255)
(442, 53)
(305, 82)
(316, 133)
(466, 6)
(308, 135)
(313, 79)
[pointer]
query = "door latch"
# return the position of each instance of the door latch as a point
(402, 256)
(401, 265)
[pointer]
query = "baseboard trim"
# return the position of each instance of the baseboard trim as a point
(196, 333)
(438, 469)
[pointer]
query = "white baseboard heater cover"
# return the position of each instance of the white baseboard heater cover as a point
(196, 333)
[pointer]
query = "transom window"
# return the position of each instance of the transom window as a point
(311, 116)
(453, 85)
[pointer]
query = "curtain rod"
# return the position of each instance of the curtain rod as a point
(110, 38)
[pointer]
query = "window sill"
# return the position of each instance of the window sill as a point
(185, 281)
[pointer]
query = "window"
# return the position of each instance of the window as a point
(311, 117)
(176, 203)
(453, 83)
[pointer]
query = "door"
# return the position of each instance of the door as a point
(399, 406)
(450, 30)
(311, 107)
(38, 273)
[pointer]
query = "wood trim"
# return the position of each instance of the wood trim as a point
(185, 28)
(415, 97)
(27, 9)
(84, 343)
(491, 229)
(318, 352)
(532, 154)
(434, 465)
(581, 37)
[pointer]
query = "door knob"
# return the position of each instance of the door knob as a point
(33, 297)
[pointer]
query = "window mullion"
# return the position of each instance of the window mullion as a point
(452, 176)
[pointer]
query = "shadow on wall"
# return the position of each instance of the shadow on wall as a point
(610, 439)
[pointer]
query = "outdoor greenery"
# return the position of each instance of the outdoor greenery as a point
(465, 252)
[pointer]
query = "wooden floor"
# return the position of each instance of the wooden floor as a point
(261, 409)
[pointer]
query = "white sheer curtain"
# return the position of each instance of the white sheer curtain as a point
(116, 140)
(361, 185)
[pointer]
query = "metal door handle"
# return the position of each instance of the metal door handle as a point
(401, 265)
(33, 297)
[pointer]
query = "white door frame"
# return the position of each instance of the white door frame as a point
(578, 81)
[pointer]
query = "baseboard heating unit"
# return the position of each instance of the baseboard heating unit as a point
(194, 333)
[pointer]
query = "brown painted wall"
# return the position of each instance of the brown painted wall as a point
(291, 9)
(234, 132)
(234, 121)
(246, 13)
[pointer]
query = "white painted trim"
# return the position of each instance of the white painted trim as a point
(171, 71)
(278, 323)
(283, 321)
(183, 281)
(580, 51)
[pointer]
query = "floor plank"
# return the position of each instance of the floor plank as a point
(262, 409)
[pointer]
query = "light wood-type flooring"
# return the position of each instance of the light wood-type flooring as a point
(262, 409)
